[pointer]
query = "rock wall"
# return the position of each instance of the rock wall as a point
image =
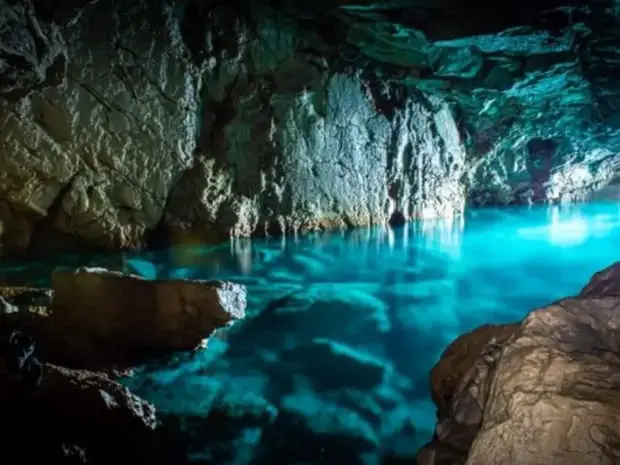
(124, 123)
(133, 117)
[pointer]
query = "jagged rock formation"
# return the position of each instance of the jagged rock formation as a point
(193, 120)
(543, 391)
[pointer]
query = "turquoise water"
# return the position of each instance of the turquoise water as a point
(337, 365)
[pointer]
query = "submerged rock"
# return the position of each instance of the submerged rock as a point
(112, 318)
(352, 317)
(543, 391)
(330, 365)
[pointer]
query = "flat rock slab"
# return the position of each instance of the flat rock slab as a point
(108, 313)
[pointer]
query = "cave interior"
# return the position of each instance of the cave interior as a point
(345, 232)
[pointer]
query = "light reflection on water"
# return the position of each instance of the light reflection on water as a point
(435, 279)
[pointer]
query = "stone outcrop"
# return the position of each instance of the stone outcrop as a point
(543, 391)
(130, 122)
(95, 318)
(102, 320)
(107, 317)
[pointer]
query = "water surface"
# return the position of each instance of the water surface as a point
(398, 295)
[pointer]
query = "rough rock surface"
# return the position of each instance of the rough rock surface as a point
(75, 417)
(544, 391)
(126, 121)
(107, 317)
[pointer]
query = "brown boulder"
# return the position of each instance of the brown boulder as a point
(459, 359)
(459, 386)
(546, 391)
(100, 317)
(555, 398)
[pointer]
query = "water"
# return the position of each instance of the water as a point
(346, 355)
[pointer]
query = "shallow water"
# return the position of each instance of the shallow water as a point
(397, 295)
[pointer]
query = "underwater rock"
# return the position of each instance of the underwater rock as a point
(547, 387)
(75, 416)
(352, 317)
(112, 318)
(309, 429)
(329, 365)
(225, 428)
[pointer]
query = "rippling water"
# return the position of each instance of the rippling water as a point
(398, 295)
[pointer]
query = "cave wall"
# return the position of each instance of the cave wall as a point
(122, 121)
(205, 121)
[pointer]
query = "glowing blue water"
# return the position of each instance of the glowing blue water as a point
(428, 281)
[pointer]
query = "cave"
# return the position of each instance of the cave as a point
(332, 233)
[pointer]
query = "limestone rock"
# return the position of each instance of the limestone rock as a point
(193, 121)
(555, 393)
(327, 432)
(33, 53)
(544, 391)
(159, 117)
(330, 365)
(109, 317)
(95, 152)
(323, 312)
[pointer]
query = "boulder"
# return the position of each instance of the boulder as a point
(544, 391)
(459, 358)
(106, 317)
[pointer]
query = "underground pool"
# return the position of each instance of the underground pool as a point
(343, 328)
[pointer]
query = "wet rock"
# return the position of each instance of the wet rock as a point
(460, 384)
(541, 391)
(554, 394)
(232, 421)
(111, 318)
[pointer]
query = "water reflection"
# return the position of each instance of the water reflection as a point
(430, 280)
